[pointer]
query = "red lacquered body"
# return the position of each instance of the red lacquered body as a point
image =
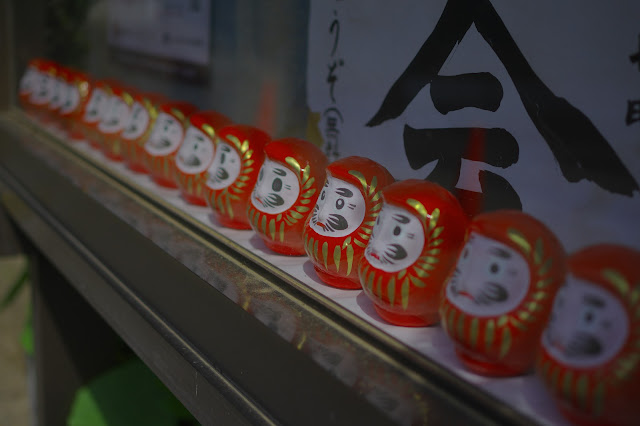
(498, 298)
(165, 140)
(414, 245)
(233, 172)
(341, 222)
(288, 186)
(144, 111)
(590, 352)
(195, 156)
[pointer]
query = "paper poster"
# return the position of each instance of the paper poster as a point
(521, 105)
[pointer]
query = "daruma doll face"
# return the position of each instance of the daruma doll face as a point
(489, 279)
(342, 220)
(282, 199)
(498, 298)
(412, 249)
(591, 347)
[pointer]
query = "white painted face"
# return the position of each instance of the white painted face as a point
(588, 325)
(29, 81)
(397, 239)
(166, 135)
(115, 116)
(96, 106)
(71, 100)
(137, 122)
(59, 93)
(276, 190)
(196, 153)
(44, 89)
(490, 278)
(225, 167)
(340, 209)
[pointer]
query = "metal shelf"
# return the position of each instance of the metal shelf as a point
(233, 336)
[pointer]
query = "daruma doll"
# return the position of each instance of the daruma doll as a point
(499, 296)
(233, 173)
(29, 82)
(590, 353)
(73, 107)
(165, 140)
(94, 111)
(113, 121)
(342, 220)
(413, 247)
(196, 154)
(287, 188)
(59, 96)
(45, 88)
(144, 111)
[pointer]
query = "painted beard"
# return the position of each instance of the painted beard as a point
(192, 161)
(334, 222)
(271, 200)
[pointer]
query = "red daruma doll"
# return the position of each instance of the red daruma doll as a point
(164, 141)
(414, 244)
(340, 225)
(113, 121)
(144, 111)
(29, 82)
(590, 354)
(233, 173)
(71, 111)
(93, 112)
(288, 186)
(499, 296)
(196, 154)
(45, 88)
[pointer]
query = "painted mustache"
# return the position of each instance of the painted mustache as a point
(491, 292)
(191, 160)
(222, 174)
(392, 253)
(334, 222)
(272, 200)
(581, 344)
(161, 143)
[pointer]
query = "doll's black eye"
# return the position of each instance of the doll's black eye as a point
(277, 185)
(339, 203)
(322, 195)
(494, 268)
(261, 174)
(396, 231)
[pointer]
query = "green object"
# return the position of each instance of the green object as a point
(127, 395)
(15, 288)
(26, 338)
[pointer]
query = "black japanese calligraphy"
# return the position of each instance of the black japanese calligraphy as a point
(580, 150)
(332, 116)
(633, 112)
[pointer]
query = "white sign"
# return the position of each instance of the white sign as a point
(476, 97)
